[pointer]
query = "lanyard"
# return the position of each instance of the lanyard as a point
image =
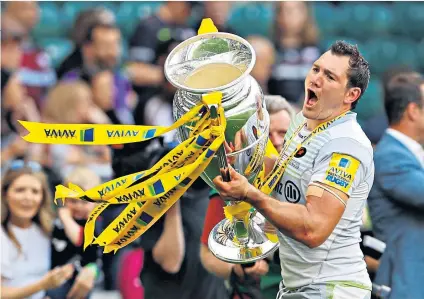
(283, 160)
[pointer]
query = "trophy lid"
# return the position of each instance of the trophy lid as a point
(209, 62)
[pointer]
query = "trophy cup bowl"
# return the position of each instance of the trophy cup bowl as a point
(222, 62)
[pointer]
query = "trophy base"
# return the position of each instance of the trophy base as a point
(222, 244)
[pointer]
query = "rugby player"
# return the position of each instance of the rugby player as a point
(328, 170)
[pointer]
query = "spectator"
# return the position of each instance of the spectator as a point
(219, 12)
(35, 73)
(111, 91)
(396, 200)
(12, 92)
(158, 111)
(25, 234)
(150, 44)
(15, 103)
(295, 37)
(265, 58)
(85, 20)
(172, 268)
(375, 126)
(68, 238)
(76, 99)
(281, 113)
(101, 51)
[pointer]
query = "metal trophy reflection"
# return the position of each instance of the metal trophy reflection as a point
(222, 62)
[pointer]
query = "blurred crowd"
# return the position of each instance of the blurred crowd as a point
(102, 63)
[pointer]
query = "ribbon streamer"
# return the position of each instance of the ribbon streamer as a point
(148, 194)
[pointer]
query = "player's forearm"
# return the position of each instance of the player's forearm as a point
(145, 74)
(292, 220)
(21, 292)
(214, 265)
(170, 248)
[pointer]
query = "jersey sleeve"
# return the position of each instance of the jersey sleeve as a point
(343, 164)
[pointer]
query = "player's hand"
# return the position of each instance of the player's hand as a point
(260, 268)
(83, 284)
(58, 276)
(236, 189)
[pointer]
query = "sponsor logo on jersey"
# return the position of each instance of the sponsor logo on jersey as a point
(341, 172)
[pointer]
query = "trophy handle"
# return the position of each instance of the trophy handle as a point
(232, 241)
(221, 153)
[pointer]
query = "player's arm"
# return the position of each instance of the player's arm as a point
(329, 189)
(310, 224)
(333, 176)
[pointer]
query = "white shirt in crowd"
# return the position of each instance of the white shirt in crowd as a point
(25, 267)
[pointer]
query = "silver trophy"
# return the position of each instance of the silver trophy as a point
(223, 62)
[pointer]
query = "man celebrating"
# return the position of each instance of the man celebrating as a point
(320, 183)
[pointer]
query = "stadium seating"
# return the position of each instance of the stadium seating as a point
(252, 19)
(386, 33)
(129, 13)
(50, 24)
(328, 18)
(71, 9)
(371, 102)
(364, 20)
(409, 18)
(420, 53)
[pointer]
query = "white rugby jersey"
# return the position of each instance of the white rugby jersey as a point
(341, 157)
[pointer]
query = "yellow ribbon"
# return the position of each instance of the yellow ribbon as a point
(148, 194)
(83, 134)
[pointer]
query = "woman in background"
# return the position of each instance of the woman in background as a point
(26, 224)
(295, 38)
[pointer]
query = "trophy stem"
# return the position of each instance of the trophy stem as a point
(239, 227)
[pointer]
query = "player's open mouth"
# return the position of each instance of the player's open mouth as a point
(311, 98)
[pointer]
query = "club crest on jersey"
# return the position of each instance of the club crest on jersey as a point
(300, 153)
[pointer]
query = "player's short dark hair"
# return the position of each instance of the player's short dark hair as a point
(401, 91)
(358, 74)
